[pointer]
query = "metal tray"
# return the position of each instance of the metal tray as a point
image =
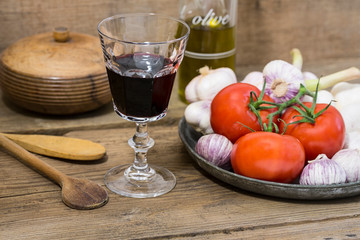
(289, 191)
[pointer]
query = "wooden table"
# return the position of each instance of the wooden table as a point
(200, 206)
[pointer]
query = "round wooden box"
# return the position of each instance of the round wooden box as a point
(57, 73)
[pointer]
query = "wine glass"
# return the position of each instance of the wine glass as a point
(142, 53)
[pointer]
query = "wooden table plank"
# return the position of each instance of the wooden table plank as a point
(199, 207)
(104, 117)
(330, 229)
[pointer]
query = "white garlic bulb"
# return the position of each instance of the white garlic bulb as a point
(352, 139)
(197, 114)
(347, 99)
(282, 80)
(216, 149)
(349, 159)
(322, 171)
(255, 78)
(210, 81)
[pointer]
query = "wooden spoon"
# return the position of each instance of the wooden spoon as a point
(60, 147)
(76, 193)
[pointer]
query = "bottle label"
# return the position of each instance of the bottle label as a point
(210, 55)
(211, 19)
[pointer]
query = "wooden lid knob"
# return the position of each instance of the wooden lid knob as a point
(61, 34)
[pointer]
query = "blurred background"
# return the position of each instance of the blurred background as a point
(324, 30)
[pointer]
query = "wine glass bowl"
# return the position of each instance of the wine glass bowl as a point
(142, 53)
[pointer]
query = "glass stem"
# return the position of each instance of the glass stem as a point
(141, 143)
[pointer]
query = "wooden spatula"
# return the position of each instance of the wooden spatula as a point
(59, 147)
(76, 193)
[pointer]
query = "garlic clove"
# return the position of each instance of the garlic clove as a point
(349, 160)
(209, 85)
(255, 78)
(229, 72)
(205, 125)
(190, 90)
(197, 115)
(309, 76)
(346, 94)
(342, 86)
(322, 171)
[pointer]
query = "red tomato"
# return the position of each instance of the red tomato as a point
(230, 107)
(326, 136)
(268, 156)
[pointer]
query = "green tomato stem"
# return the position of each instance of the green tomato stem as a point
(284, 105)
(257, 105)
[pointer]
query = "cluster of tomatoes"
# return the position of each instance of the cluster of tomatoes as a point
(278, 157)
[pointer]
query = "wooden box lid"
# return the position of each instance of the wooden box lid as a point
(55, 55)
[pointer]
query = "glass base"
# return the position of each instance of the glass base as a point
(160, 182)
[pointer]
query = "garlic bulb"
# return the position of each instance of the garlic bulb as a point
(352, 140)
(351, 116)
(254, 78)
(343, 87)
(347, 101)
(349, 160)
(209, 83)
(346, 94)
(322, 171)
(197, 114)
(282, 80)
(216, 149)
(309, 76)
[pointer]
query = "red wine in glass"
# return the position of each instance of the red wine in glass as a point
(141, 85)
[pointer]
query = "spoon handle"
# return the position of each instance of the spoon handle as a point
(33, 161)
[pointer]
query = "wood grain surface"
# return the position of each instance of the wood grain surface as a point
(199, 207)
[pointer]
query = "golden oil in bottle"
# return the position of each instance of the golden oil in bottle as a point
(212, 38)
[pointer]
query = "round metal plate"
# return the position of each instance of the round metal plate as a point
(290, 191)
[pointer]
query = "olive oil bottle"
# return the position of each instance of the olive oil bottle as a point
(212, 37)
